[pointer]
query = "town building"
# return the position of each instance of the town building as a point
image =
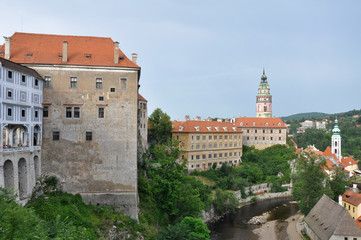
(90, 114)
(351, 201)
(208, 143)
(328, 220)
(264, 99)
(262, 132)
(142, 123)
(21, 128)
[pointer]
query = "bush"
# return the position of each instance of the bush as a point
(224, 201)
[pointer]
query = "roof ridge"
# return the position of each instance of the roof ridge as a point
(47, 34)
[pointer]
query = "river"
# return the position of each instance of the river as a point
(235, 227)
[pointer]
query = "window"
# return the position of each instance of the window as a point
(46, 111)
(203, 137)
(215, 137)
(203, 146)
(36, 82)
(112, 89)
(255, 131)
(76, 112)
(264, 138)
(88, 136)
(98, 83)
(56, 135)
(247, 138)
(209, 155)
(230, 154)
(280, 131)
(203, 156)
(197, 146)
(279, 138)
(197, 156)
(215, 155)
(10, 94)
(23, 78)
(100, 112)
(271, 138)
(123, 83)
(353, 209)
(10, 112)
(198, 137)
(36, 114)
(225, 154)
(221, 137)
(73, 82)
(101, 98)
(68, 112)
(10, 74)
(349, 207)
(255, 138)
(210, 137)
(47, 81)
(23, 113)
(225, 137)
(271, 131)
(264, 131)
(247, 130)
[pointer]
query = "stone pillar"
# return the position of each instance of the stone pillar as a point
(7, 47)
(116, 53)
(134, 57)
(65, 52)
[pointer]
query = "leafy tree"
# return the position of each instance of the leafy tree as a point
(198, 229)
(308, 180)
(224, 201)
(338, 183)
(160, 127)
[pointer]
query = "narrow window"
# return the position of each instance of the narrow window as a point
(89, 136)
(73, 82)
(280, 131)
(22, 112)
(47, 82)
(56, 135)
(10, 74)
(36, 82)
(46, 111)
(36, 114)
(112, 89)
(99, 83)
(23, 78)
(271, 131)
(10, 112)
(100, 112)
(76, 112)
(123, 83)
(68, 111)
(10, 94)
(255, 131)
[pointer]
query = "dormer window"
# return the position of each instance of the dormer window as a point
(88, 56)
(209, 128)
(279, 124)
(29, 54)
(241, 124)
(60, 55)
(217, 128)
(254, 124)
(234, 128)
(225, 129)
(181, 128)
(197, 128)
(266, 123)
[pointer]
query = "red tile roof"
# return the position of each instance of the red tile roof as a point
(204, 127)
(358, 222)
(347, 161)
(352, 197)
(141, 98)
(255, 122)
(46, 48)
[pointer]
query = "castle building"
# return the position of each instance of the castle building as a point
(90, 114)
(264, 99)
(208, 143)
(336, 141)
(21, 128)
(143, 121)
(262, 132)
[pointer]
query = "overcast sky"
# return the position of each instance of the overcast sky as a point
(206, 57)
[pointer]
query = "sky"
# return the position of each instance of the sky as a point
(205, 58)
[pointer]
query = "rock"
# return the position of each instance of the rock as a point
(256, 220)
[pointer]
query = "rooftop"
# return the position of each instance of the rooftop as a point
(204, 127)
(259, 122)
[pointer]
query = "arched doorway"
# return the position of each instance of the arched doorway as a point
(36, 167)
(36, 136)
(23, 177)
(9, 174)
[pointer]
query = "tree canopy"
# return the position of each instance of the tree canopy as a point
(160, 127)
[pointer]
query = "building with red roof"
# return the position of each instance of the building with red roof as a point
(91, 97)
(262, 132)
(208, 143)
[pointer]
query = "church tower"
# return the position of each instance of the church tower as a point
(264, 99)
(336, 141)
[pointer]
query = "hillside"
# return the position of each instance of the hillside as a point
(310, 115)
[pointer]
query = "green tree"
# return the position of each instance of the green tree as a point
(338, 183)
(308, 180)
(198, 229)
(160, 127)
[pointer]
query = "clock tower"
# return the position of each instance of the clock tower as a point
(336, 141)
(264, 99)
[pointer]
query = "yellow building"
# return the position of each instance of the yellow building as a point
(351, 201)
(262, 132)
(208, 142)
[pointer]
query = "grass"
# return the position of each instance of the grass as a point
(205, 180)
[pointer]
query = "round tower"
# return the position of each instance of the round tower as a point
(264, 98)
(336, 141)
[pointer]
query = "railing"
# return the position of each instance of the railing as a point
(18, 149)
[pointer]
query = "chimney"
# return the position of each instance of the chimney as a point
(187, 118)
(198, 118)
(340, 200)
(134, 57)
(116, 53)
(7, 47)
(65, 52)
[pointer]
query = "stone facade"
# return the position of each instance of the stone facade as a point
(90, 121)
(262, 132)
(21, 128)
(208, 142)
(143, 120)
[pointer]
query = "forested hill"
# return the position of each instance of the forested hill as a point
(310, 115)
